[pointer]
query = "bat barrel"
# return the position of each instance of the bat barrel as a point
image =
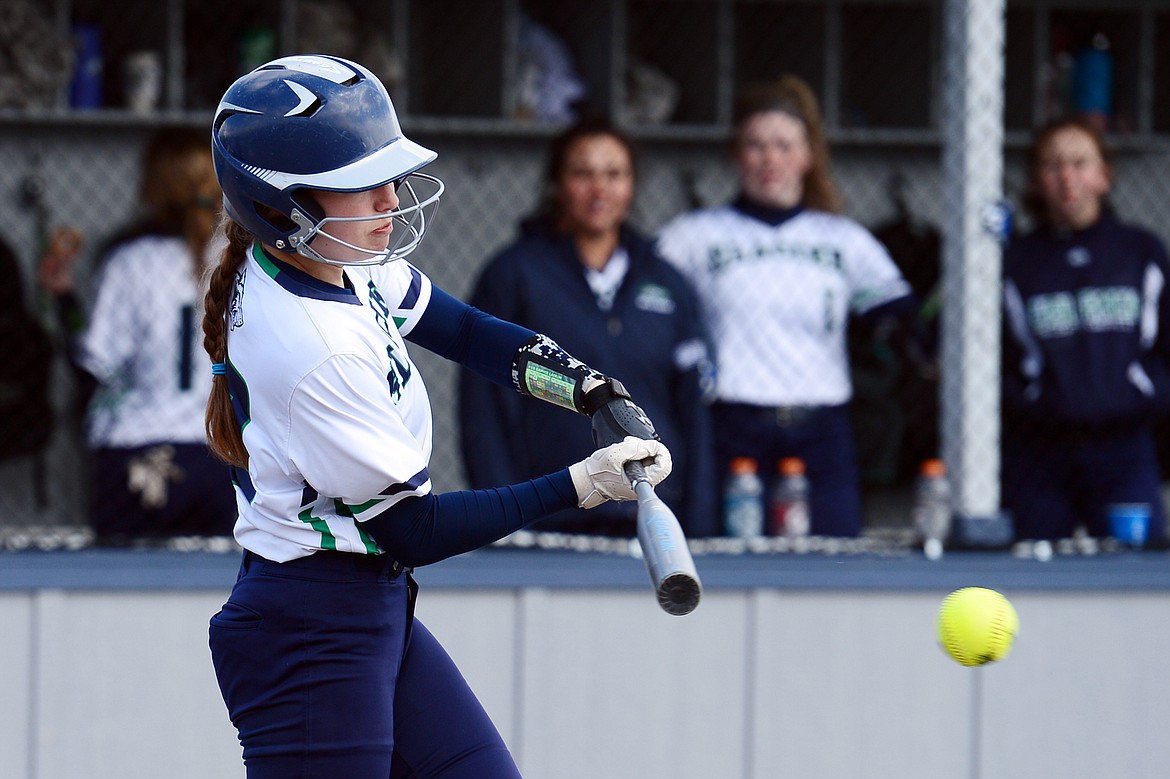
(679, 594)
(664, 548)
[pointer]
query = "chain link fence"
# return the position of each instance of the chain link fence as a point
(914, 102)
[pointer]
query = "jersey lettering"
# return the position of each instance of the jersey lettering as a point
(1052, 316)
(720, 256)
(1111, 308)
(1093, 310)
(655, 298)
(399, 372)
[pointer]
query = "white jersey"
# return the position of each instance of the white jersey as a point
(777, 299)
(144, 344)
(335, 417)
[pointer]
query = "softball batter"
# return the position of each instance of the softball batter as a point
(780, 273)
(326, 422)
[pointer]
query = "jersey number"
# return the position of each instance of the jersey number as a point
(398, 374)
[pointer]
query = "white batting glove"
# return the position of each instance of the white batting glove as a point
(600, 476)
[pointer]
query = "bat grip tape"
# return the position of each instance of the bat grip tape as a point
(635, 472)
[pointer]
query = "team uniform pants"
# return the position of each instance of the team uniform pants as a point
(326, 673)
(160, 491)
(1053, 483)
(822, 436)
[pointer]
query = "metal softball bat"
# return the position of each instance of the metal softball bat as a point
(664, 548)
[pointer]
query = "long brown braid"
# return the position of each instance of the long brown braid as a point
(223, 431)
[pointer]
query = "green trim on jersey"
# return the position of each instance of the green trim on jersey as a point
(241, 404)
(262, 260)
(328, 540)
(354, 510)
(371, 545)
(345, 510)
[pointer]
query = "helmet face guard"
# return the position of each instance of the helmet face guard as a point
(410, 222)
(305, 123)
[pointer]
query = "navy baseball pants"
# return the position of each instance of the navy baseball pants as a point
(326, 673)
(820, 435)
(1052, 484)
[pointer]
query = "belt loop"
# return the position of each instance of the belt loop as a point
(245, 564)
(391, 568)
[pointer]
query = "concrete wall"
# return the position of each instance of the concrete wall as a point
(837, 677)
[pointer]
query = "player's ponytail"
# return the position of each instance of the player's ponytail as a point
(223, 432)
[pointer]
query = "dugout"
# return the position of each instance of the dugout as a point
(471, 79)
(1085, 696)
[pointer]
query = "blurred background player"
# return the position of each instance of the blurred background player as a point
(327, 425)
(581, 274)
(136, 355)
(779, 273)
(27, 417)
(1087, 356)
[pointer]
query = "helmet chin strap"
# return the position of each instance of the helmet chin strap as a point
(412, 219)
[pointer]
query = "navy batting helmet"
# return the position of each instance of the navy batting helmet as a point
(316, 122)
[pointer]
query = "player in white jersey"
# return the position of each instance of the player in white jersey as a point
(327, 424)
(781, 276)
(138, 357)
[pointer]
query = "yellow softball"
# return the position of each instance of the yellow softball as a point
(977, 625)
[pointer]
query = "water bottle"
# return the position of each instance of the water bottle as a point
(743, 500)
(789, 500)
(85, 90)
(932, 507)
(1092, 81)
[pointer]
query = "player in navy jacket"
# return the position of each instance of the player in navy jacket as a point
(1086, 356)
(641, 327)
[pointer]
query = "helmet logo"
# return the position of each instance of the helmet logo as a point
(332, 69)
(307, 98)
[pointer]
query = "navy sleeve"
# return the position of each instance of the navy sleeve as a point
(1158, 255)
(422, 530)
(901, 311)
(452, 329)
(897, 325)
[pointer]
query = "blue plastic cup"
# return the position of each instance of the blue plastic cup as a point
(1129, 523)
